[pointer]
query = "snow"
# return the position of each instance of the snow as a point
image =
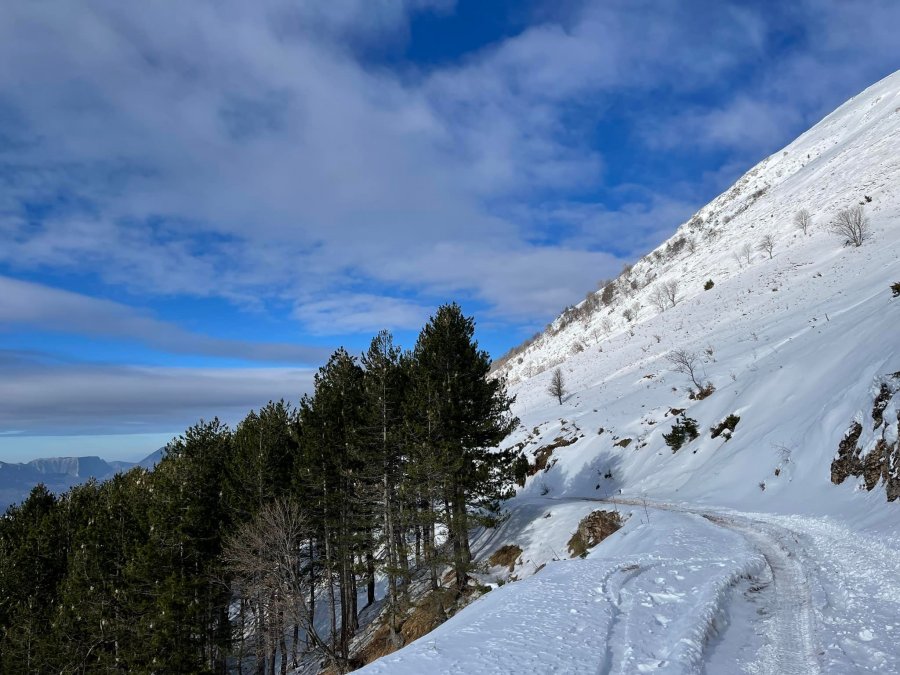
(739, 555)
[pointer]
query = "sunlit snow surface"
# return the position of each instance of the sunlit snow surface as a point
(788, 573)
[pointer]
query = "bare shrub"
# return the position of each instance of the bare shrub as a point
(268, 559)
(665, 295)
(686, 363)
(743, 255)
(803, 220)
(766, 245)
(671, 289)
(852, 224)
(608, 294)
(659, 298)
(691, 245)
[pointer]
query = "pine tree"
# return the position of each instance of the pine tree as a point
(260, 465)
(32, 565)
(184, 619)
(462, 413)
(333, 473)
(384, 384)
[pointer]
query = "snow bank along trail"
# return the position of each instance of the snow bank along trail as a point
(660, 596)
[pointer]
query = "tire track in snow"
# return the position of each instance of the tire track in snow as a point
(623, 575)
(792, 647)
(790, 628)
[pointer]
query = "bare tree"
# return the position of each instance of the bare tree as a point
(803, 220)
(691, 245)
(746, 253)
(852, 224)
(686, 363)
(659, 298)
(766, 245)
(671, 289)
(557, 387)
(268, 559)
(606, 325)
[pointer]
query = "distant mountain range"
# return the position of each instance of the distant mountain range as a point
(60, 473)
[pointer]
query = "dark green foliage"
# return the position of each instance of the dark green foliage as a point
(457, 414)
(725, 427)
(260, 466)
(520, 469)
(32, 566)
(895, 290)
(683, 431)
(708, 285)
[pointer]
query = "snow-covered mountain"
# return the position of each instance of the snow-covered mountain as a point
(768, 547)
(59, 474)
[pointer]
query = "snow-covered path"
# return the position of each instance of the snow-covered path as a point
(679, 590)
(790, 626)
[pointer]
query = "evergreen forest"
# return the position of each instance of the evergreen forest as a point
(249, 548)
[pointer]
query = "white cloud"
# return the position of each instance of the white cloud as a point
(360, 312)
(37, 397)
(42, 307)
(245, 152)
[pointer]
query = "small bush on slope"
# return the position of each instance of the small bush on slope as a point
(683, 431)
(725, 427)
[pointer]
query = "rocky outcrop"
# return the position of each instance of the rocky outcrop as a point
(875, 459)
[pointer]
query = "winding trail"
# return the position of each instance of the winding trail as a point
(785, 613)
(790, 624)
(684, 590)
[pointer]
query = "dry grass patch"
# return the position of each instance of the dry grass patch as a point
(380, 644)
(428, 614)
(505, 556)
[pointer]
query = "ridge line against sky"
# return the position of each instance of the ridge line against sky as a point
(198, 205)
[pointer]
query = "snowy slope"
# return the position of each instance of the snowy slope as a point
(787, 572)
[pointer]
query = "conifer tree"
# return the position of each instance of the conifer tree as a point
(462, 413)
(333, 472)
(384, 384)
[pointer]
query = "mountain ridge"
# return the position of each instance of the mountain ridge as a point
(60, 473)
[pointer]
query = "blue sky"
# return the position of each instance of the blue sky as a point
(201, 200)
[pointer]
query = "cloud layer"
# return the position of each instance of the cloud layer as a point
(44, 397)
(288, 159)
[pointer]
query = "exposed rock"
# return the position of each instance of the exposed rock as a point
(847, 463)
(593, 528)
(542, 454)
(882, 462)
